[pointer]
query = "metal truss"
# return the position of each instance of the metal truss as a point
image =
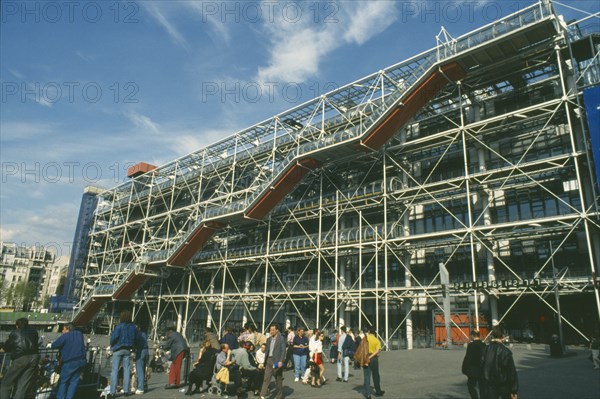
(487, 174)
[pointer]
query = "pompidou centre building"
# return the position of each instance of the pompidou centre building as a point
(465, 175)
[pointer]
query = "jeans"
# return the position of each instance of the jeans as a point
(343, 362)
(372, 368)
(140, 368)
(299, 365)
(70, 374)
(124, 354)
(20, 376)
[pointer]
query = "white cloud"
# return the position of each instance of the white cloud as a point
(52, 225)
(84, 56)
(295, 55)
(370, 20)
(142, 121)
(218, 26)
(163, 13)
(16, 74)
(160, 15)
(19, 131)
(297, 49)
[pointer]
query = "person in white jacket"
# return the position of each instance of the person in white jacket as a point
(316, 356)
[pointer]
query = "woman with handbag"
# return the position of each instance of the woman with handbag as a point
(227, 369)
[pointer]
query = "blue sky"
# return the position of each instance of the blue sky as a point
(89, 88)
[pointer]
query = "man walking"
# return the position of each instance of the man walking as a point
(274, 358)
(499, 372)
(178, 347)
(141, 360)
(372, 366)
(22, 344)
(72, 353)
(343, 359)
(471, 366)
(122, 341)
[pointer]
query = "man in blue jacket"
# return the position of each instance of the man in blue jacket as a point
(72, 354)
(122, 341)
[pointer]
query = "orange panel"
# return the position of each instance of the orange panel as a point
(130, 286)
(139, 169)
(282, 187)
(196, 241)
(420, 96)
(91, 308)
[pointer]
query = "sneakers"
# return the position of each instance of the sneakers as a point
(139, 392)
(338, 379)
(296, 379)
(380, 393)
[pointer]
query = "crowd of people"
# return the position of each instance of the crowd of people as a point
(233, 363)
(244, 362)
(252, 359)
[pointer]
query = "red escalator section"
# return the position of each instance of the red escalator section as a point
(130, 286)
(89, 310)
(420, 96)
(193, 245)
(282, 187)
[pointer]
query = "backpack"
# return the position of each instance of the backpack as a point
(348, 348)
(361, 356)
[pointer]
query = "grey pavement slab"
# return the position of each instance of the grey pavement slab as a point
(429, 373)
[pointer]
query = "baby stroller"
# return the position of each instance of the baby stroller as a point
(157, 364)
(218, 388)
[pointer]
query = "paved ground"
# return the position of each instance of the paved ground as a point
(428, 373)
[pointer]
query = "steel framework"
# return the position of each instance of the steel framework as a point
(474, 154)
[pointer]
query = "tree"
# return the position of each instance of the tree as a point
(46, 303)
(22, 296)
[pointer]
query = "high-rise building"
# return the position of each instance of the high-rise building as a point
(80, 248)
(461, 179)
(24, 274)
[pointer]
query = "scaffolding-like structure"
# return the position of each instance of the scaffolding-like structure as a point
(473, 155)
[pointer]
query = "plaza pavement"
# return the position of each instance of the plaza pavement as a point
(435, 374)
